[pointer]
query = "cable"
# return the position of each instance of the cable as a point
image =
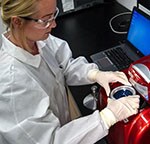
(110, 22)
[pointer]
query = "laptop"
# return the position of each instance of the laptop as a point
(136, 45)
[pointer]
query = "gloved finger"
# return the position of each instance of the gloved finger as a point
(130, 101)
(121, 77)
(107, 88)
(134, 101)
(128, 107)
(109, 100)
(131, 98)
(134, 98)
(123, 80)
(133, 105)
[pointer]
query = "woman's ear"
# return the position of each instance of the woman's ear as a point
(16, 21)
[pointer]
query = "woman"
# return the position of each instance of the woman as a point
(35, 69)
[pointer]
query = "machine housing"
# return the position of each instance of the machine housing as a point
(135, 129)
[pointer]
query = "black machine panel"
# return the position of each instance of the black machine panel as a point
(80, 4)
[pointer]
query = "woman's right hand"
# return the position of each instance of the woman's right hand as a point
(120, 109)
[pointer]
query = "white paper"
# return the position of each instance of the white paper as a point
(67, 5)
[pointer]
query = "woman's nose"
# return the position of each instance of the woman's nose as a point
(54, 24)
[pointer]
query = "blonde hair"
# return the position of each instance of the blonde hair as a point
(20, 8)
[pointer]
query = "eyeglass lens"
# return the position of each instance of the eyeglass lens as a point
(46, 24)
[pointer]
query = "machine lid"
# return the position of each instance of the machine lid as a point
(143, 71)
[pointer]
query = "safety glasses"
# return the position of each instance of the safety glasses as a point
(43, 24)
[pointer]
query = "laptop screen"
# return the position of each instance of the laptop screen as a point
(139, 31)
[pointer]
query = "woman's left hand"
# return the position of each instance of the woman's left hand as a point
(105, 77)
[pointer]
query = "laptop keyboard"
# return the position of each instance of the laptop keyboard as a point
(119, 58)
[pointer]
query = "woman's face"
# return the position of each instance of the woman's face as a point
(35, 31)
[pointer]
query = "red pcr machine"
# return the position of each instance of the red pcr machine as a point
(135, 129)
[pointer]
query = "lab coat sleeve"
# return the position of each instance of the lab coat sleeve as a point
(75, 70)
(85, 130)
(26, 117)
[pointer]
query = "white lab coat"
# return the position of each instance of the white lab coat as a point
(33, 102)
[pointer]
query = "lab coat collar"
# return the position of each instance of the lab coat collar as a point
(21, 54)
